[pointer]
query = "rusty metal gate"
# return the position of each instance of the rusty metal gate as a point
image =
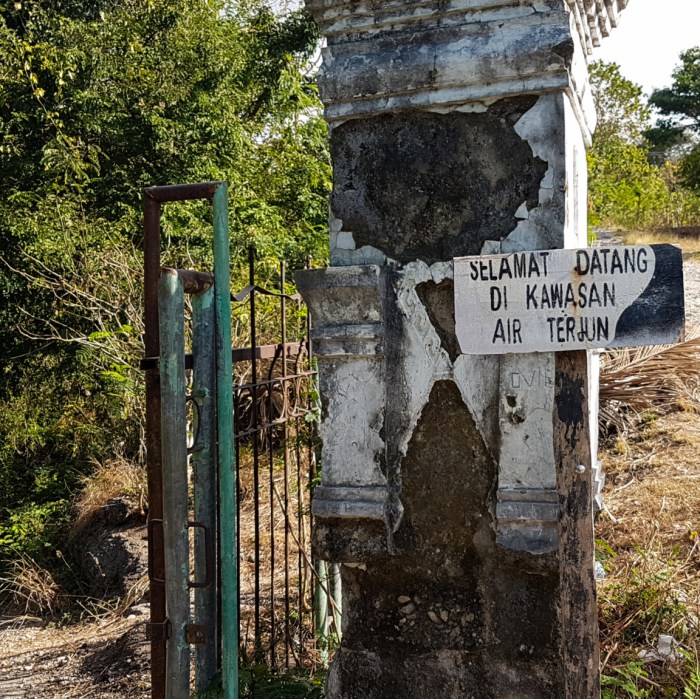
(230, 567)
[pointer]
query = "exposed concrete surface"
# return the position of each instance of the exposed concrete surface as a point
(457, 128)
(410, 203)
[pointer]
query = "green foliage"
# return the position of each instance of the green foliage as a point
(31, 529)
(682, 99)
(626, 681)
(680, 103)
(622, 110)
(690, 170)
(636, 605)
(692, 686)
(98, 100)
(257, 682)
(625, 187)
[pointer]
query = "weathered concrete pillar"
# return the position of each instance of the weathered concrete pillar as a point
(456, 488)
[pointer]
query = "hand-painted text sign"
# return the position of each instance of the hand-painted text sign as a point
(554, 300)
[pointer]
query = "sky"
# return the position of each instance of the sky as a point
(649, 37)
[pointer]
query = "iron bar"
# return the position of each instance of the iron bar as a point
(256, 474)
(271, 456)
(237, 453)
(239, 354)
(263, 426)
(156, 554)
(195, 282)
(311, 456)
(285, 451)
(276, 380)
(300, 539)
(182, 192)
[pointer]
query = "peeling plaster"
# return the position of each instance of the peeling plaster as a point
(426, 361)
(522, 212)
(542, 128)
(395, 190)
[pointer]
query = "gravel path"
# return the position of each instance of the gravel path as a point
(691, 274)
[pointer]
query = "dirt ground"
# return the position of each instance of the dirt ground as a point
(99, 660)
(650, 492)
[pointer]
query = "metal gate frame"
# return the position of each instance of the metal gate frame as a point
(160, 629)
(219, 440)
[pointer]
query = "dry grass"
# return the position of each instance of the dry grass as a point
(649, 533)
(117, 478)
(31, 589)
(648, 540)
(687, 238)
(133, 595)
(658, 378)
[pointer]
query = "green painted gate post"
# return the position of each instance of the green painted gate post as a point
(175, 498)
(204, 477)
(224, 418)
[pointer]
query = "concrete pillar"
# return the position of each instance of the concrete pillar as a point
(456, 489)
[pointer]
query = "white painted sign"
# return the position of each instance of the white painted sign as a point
(556, 300)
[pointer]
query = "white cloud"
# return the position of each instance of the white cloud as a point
(650, 36)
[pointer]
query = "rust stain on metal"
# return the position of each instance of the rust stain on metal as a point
(195, 633)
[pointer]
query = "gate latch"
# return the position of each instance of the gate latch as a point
(195, 633)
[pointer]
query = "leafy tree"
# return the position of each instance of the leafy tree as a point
(628, 186)
(682, 99)
(622, 184)
(680, 104)
(98, 100)
(620, 105)
(690, 169)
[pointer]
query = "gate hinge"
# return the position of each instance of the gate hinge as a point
(159, 631)
(195, 633)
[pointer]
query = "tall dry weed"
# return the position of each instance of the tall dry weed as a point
(116, 479)
(29, 589)
(660, 378)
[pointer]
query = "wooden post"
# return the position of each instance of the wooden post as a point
(580, 648)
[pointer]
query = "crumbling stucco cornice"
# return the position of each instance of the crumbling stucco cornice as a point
(595, 19)
(436, 54)
(345, 18)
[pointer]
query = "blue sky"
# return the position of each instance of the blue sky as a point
(650, 35)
